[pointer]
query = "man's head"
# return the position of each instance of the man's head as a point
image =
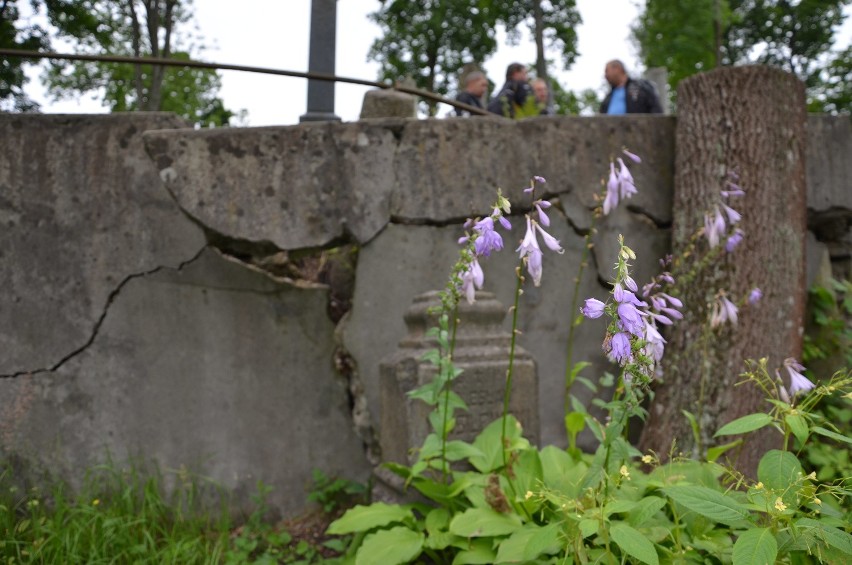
(615, 74)
(540, 89)
(476, 84)
(516, 71)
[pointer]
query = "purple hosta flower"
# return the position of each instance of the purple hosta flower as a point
(540, 180)
(625, 180)
(541, 206)
(672, 300)
(611, 198)
(714, 227)
(502, 219)
(472, 279)
(631, 319)
(551, 242)
(593, 308)
(734, 240)
(733, 215)
(798, 381)
(632, 156)
(754, 296)
(782, 392)
(489, 240)
(529, 248)
(654, 342)
(620, 348)
(622, 295)
(733, 190)
(723, 311)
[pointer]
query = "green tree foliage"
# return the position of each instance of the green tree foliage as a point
(429, 41)
(554, 23)
(695, 35)
(139, 28)
(15, 34)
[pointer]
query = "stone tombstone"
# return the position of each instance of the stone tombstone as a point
(481, 350)
(388, 104)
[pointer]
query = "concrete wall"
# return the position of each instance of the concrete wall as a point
(136, 317)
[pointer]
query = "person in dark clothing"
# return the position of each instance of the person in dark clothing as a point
(475, 86)
(628, 96)
(515, 100)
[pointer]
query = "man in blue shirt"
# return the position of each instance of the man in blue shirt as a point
(628, 96)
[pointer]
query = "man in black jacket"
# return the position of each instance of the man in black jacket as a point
(628, 96)
(475, 86)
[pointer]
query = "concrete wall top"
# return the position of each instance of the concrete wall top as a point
(309, 185)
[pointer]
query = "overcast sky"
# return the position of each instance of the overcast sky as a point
(275, 33)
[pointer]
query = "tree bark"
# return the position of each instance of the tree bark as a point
(750, 120)
(540, 61)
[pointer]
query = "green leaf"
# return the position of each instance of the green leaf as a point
(832, 536)
(575, 422)
(528, 543)
(488, 442)
(756, 547)
(478, 553)
(713, 453)
(798, 425)
(363, 518)
(693, 424)
(478, 522)
(437, 519)
(645, 509)
(745, 424)
(778, 470)
(390, 547)
(588, 527)
(575, 370)
(634, 544)
(457, 450)
(709, 503)
(828, 433)
(560, 472)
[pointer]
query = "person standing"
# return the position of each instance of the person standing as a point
(515, 100)
(627, 95)
(542, 96)
(475, 87)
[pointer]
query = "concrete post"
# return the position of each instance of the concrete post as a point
(321, 60)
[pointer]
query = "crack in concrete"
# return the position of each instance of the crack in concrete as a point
(639, 211)
(99, 322)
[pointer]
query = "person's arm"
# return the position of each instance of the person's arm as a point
(605, 104)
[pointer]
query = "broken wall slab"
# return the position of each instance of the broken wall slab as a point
(214, 367)
(295, 187)
(81, 209)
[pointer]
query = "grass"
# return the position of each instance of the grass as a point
(123, 516)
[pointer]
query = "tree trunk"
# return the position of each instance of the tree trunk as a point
(540, 61)
(750, 120)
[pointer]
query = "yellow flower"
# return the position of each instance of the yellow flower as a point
(647, 459)
(96, 501)
(528, 495)
(624, 472)
(812, 476)
(779, 505)
(817, 501)
(759, 485)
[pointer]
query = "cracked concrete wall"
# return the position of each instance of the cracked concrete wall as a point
(124, 332)
(134, 327)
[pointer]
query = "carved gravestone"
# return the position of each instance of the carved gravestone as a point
(481, 350)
